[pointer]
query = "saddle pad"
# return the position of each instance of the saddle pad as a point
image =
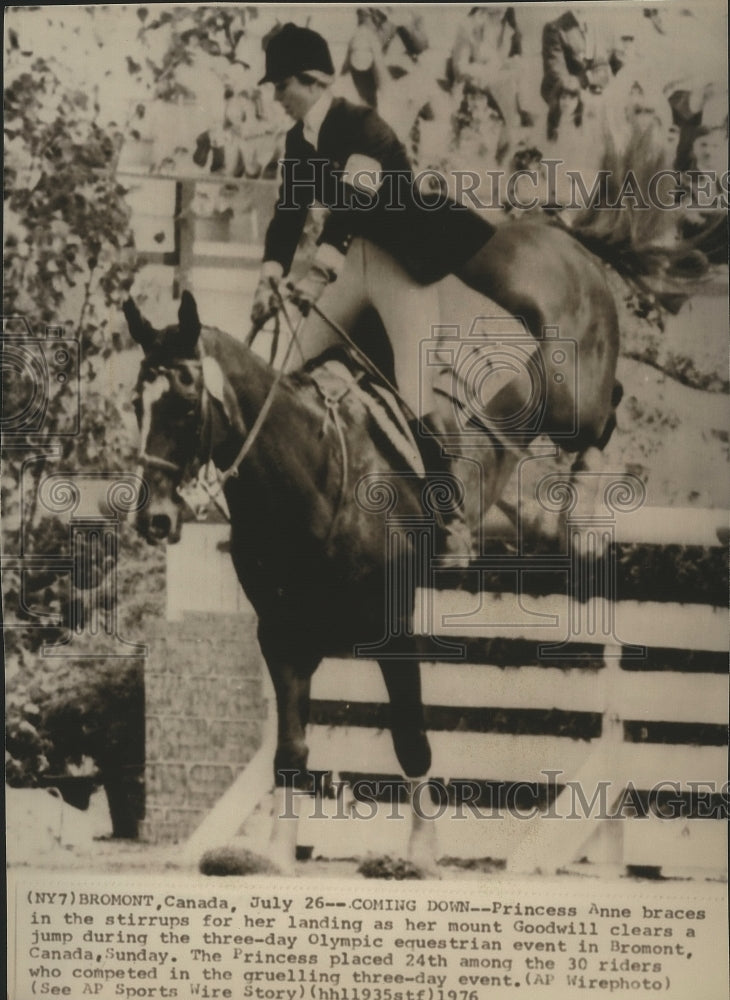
(334, 379)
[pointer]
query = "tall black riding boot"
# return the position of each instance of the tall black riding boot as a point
(457, 535)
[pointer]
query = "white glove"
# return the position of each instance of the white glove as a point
(307, 291)
(322, 271)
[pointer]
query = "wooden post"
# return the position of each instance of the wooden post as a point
(184, 236)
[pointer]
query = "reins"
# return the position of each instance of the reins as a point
(214, 490)
(331, 412)
(232, 471)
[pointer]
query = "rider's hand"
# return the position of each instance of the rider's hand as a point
(307, 291)
(266, 300)
(323, 271)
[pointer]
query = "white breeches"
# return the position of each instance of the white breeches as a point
(409, 312)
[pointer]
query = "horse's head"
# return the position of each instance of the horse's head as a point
(168, 402)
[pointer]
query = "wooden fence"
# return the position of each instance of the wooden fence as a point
(624, 695)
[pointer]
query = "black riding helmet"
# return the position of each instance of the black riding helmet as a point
(294, 50)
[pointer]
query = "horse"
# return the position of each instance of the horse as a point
(309, 549)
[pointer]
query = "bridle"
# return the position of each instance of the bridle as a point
(153, 373)
(208, 477)
(199, 407)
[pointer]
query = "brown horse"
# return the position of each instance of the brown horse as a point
(307, 502)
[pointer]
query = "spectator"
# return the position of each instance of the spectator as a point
(581, 149)
(365, 61)
(481, 135)
(382, 49)
(383, 64)
(696, 111)
(570, 106)
(575, 53)
(704, 226)
(482, 65)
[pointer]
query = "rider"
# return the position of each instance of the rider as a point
(384, 243)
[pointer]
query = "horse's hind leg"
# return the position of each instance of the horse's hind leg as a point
(591, 461)
(408, 729)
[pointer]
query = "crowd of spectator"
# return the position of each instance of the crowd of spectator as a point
(593, 88)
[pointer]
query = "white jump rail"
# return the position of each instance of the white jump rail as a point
(625, 701)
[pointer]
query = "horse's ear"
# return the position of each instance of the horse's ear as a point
(189, 323)
(139, 328)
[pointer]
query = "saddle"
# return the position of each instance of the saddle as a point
(337, 372)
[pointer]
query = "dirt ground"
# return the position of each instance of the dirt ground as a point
(65, 840)
(674, 419)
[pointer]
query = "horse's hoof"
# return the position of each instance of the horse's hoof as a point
(391, 868)
(427, 866)
(231, 860)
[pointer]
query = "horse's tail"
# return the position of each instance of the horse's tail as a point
(649, 248)
(663, 278)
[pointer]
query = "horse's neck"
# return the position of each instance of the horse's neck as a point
(286, 450)
(250, 377)
(256, 388)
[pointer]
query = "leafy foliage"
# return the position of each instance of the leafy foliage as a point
(67, 239)
(214, 31)
(69, 261)
(62, 710)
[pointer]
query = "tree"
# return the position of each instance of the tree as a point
(69, 263)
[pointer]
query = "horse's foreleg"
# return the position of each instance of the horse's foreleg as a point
(403, 681)
(292, 686)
